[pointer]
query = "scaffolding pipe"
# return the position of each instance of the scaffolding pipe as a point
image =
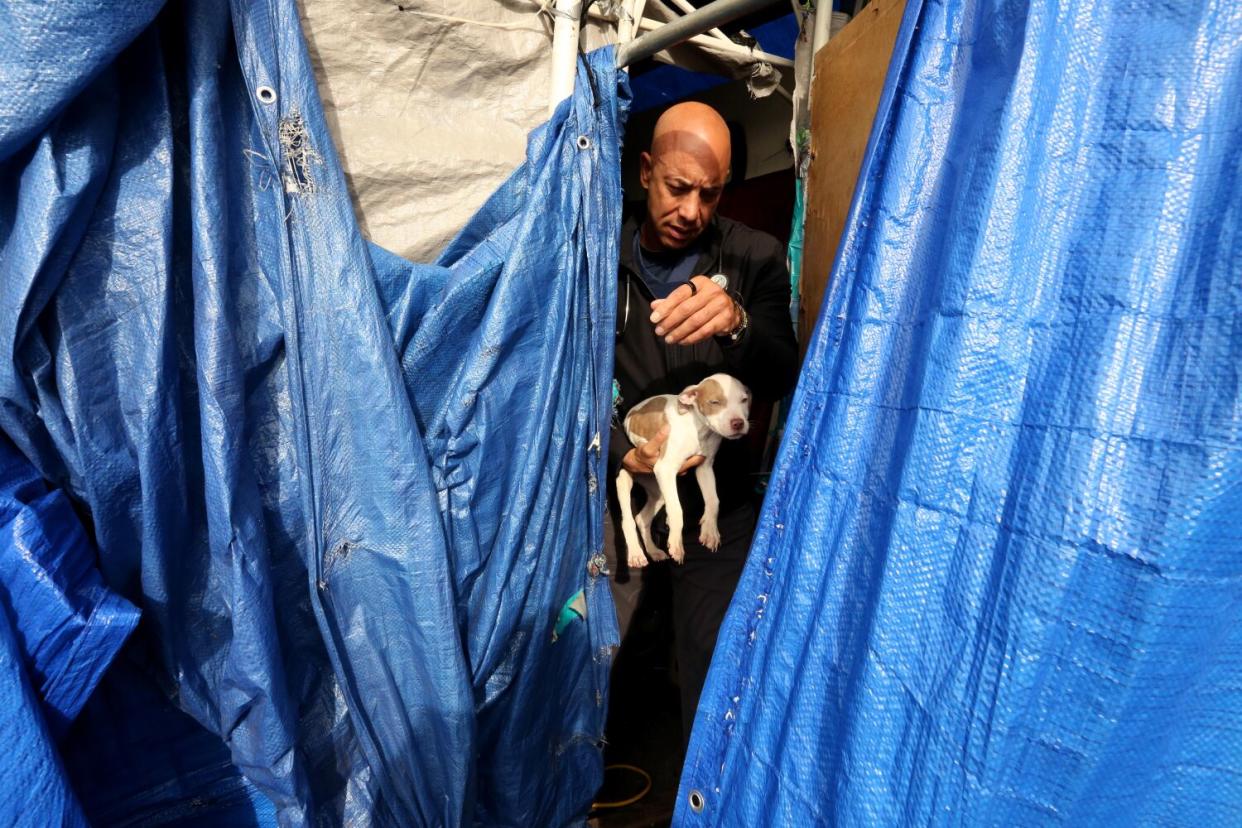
(564, 50)
(724, 46)
(627, 25)
(823, 28)
(710, 16)
(625, 22)
(686, 8)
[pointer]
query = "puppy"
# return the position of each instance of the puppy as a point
(698, 419)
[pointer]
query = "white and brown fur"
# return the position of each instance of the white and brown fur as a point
(716, 409)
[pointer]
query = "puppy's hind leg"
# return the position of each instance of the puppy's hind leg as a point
(625, 489)
(655, 501)
(666, 477)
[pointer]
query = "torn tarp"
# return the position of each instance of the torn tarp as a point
(352, 495)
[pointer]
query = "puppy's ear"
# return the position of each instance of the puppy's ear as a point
(685, 401)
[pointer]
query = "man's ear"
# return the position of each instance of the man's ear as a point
(685, 401)
(644, 170)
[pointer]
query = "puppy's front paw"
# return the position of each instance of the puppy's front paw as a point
(709, 535)
(636, 560)
(675, 549)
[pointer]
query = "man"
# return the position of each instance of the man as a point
(671, 335)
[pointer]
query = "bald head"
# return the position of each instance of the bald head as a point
(683, 174)
(696, 129)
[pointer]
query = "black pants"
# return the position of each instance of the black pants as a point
(702, 589)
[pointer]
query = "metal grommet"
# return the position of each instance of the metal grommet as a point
(697, 802)
(598, 565)
(265, 94)
(584, 142)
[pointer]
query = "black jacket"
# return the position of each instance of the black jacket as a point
(765, 357)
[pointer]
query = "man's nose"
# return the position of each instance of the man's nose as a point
(738, 423)
(688, 207)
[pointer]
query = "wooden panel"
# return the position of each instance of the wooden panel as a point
(849, 76)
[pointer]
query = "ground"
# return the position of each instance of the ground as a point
(644, 719)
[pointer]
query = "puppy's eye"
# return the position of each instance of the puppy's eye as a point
(715, 402)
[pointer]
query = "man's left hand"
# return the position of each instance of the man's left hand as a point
(688, 317)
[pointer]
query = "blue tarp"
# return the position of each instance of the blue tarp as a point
(997, 576)
(60, 628)
(134, 759)
(351, 495)
(69, 624)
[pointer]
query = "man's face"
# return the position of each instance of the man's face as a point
(683, 177)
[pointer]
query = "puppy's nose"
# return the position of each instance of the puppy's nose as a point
(738, 424)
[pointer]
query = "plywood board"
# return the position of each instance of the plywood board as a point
(849, 76)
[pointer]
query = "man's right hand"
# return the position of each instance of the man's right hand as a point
(642, 460)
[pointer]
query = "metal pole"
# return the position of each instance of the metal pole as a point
(686, 8)
(709, 17)
(564, 51)
(822, 30)
(728, 46)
